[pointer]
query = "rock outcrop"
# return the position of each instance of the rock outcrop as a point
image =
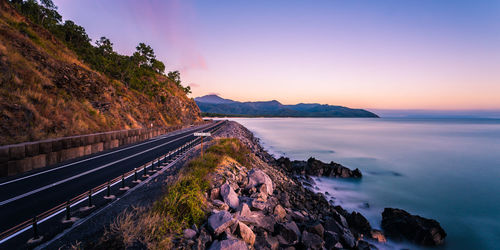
(400, 224)
(315, 167)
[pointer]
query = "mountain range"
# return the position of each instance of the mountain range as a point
(214, 105)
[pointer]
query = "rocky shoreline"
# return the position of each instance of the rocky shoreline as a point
(264, 205)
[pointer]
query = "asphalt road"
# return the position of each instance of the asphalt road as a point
(26, 196)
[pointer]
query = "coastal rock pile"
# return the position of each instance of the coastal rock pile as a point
(257, 206)
(399, 224)
(315, 167)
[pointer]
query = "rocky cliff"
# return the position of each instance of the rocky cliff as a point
(47, 92)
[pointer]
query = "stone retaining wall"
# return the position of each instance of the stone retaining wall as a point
(19, 158)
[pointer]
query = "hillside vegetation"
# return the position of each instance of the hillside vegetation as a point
(54, 82)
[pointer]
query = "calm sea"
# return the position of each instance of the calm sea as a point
(445, 169)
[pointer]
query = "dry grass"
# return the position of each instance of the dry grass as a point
(138, 226)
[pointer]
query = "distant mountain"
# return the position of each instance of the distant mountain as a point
(215, 99)
(214, 105)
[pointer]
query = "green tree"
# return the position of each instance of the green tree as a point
(144, 55)
(175, 76)
(104, 46)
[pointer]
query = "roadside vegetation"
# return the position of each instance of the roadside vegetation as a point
(182, 205)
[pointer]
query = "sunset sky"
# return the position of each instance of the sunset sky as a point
(415, 54)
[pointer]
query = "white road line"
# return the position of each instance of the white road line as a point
(88, 159)
(84, 173)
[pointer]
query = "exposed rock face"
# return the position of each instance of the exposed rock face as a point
(398, 224)
(318, 168)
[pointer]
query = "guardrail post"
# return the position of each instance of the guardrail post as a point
(68, 208)
(108, 190)
(35, 228)
(90, 198)
(144, 172)
(123, 188)
(135, 174)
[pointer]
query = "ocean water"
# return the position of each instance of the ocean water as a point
(445, 169)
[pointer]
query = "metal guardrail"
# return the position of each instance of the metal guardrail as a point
(44, 216)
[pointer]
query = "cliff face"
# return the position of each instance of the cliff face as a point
(47, 92)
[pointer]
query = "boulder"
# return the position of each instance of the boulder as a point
(258, 205)
(203, 239)
(280, 212)
(348, 239)
(316, 228)
(289, 232)
(229, 196)
(318, 168)
(298, 216)
(378, 235)
(229, 244)
(257, 177)
(220, 205)
(218, 222)
(246, 233)
(399, 224)
(312, 241)
(259, 220)
(189, 233)
(359, 223)
(245, 210)
(214, 193)
(331, 239)
(364, 245)
(266, 242)
(333, 226)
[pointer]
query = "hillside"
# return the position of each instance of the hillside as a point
(47, 91)
(215, 105)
